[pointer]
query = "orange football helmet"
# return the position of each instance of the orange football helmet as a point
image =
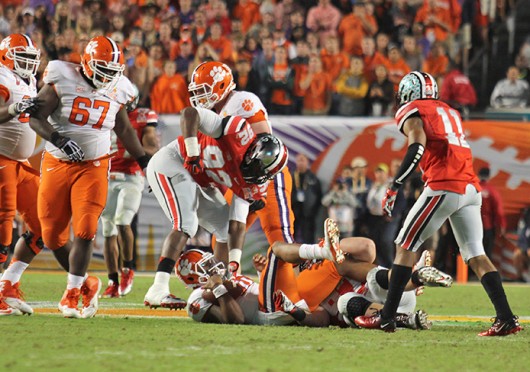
(102, 62)
(210, 82)
(19, 54)
(194, 267)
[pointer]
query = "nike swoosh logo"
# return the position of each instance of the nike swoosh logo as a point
(2, 167)
(49, 169)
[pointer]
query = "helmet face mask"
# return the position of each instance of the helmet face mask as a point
(416, 85)
(105, 74)
(210, 83)
(264, 159)
(201, 96)
(19, 54)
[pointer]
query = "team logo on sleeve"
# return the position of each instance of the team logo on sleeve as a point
(195, 307)
(247, 105)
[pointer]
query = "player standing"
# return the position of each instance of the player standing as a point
(125, 195)
(437, 143)
(81, 105)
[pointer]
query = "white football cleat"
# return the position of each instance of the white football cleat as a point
(432, 277)
(14, 297)
(331, 242)
(425, 260)
(158, 296)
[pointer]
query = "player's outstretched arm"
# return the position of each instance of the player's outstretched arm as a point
(228, 311)
(39, 119)
(128, 137)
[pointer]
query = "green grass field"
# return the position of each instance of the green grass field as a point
(131, 343)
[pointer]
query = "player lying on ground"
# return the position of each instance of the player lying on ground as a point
(186, 176)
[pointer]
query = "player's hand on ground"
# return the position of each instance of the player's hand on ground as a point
(388, 201)
(68, 146)
(259, 261)
(193, 164)
(28, 105)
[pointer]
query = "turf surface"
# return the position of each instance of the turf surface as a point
(118, 343)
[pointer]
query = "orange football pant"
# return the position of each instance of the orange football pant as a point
(317, 283)
(71, 191)
(18, 191)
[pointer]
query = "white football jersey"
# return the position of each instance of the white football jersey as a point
(85, 114)
(17, 139)
(245, 104)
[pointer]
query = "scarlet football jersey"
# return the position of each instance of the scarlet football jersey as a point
(122, 161)
(447, 163)
(223, 156)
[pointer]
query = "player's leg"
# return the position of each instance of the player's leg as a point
(176, 192)
(129, 200)
(426, 216)
(110, 245)
(467, 227)
(8, 197)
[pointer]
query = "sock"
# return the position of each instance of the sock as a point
(15, 271)
(313, 252)
(166, 265)
(381, 277)
(127, 264)
(493, 285)
(398, 280)
(114, 277)
(162, 279)
(75, 281)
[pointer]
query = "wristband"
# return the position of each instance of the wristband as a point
(11, 109)
(143, 161)
(235, 255)
(55, 137)
(219, 291)
(192, 146)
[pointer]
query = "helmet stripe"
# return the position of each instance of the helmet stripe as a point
(28, 40)
(115, 50)
(420, 77)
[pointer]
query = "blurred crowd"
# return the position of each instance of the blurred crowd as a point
(340, 57)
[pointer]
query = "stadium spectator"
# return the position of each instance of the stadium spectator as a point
(297, 29)
(352, 87)
(354, 27)
(457, 90)
(360, 186)
(300, 66)
(492, 212)
(411, 53)
(282, 12)
(522, 64)
(340, 204)
(186, 12)
(165, 39)
(248, 12)
(200, 28)
(314, 43)
(381, 93)
(316, 85)
(371, 58)
(437, 19)
(245, 77)
(333, 60)
(510, 92)
(280, 81)
(402, 19)
(279, 40)
(323, 19)
(220, 44)
(375, 219)
(169, 94)
(305, 200)
(397, 67)
(437, 62)
(262, 63)
(205, 52)
(382, 42)
(155, 63)
(185, 58)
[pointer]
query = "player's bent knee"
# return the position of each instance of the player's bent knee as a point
(352, 305)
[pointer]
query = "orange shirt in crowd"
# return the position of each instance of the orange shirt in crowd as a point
(371, 62)
(248, 12)
(316, 96)
(436, 66)
(396, 71)
(300, 72)
(223, 47)
(280, 96)
(351, 32)
(333, 64)
(169, 95)
(444, 15)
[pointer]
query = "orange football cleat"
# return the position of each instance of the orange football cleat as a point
(69, 302)
(14, 297)
(90, 291)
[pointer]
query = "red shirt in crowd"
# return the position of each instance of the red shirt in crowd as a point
(492, 211)
(456, 87)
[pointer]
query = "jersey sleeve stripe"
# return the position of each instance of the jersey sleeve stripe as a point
(233, 125)
(405, 117)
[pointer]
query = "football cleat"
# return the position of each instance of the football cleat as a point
(375, 322)
(112, 290)
(158, 297)
(425, 260)
(503, 327)
(14, 297)
(90, 291)
(69, 302)
(6, 310)
(331, 242)
(432, 277)
(418, 320)
(126, 281)
(283, 303)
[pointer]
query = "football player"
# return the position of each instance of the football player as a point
(125, 194)
(213, 153)
(19, 61)
(212, 86)
(438, 144)
(81, 104)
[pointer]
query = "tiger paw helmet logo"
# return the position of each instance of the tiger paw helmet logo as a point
(247, 105)
(5, 43)
(185, 267)
(218, 74)
(91, 47)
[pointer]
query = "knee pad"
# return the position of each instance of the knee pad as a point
(108, 228)
(32, 242)
(352, 305)
(375, 291)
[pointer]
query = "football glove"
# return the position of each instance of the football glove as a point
(256, 205)
(194, 164)
(29, 105)
(388, 201)
(68, 146)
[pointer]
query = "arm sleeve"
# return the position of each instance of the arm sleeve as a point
(197, 306)
(238, 209)
(409, 164)
(210, 123)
